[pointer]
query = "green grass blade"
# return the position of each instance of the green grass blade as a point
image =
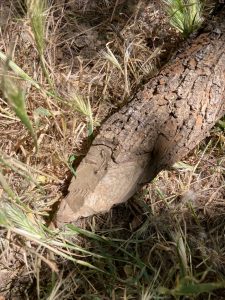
(16, 99)
(18, 71)
(185, 15)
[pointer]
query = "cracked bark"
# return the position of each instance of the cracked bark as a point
(172, 113)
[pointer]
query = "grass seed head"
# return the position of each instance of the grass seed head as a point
(36, 11)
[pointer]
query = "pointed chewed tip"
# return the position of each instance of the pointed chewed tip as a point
(65, 214)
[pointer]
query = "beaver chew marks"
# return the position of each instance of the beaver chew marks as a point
(164, 121)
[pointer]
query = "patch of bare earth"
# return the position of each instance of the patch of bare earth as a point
(79, 36)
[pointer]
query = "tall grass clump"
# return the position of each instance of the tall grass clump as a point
(185, 15)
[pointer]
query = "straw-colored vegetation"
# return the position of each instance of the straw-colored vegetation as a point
(64, 68)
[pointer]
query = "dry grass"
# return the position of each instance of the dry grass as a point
(87, 59)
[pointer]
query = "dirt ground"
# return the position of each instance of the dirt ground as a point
(189, 197)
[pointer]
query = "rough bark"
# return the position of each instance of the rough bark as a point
(164, 121)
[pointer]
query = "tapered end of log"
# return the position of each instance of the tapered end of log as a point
(100, 183)
(65, 214)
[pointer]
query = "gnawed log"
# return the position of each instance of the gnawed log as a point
(164, 121)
